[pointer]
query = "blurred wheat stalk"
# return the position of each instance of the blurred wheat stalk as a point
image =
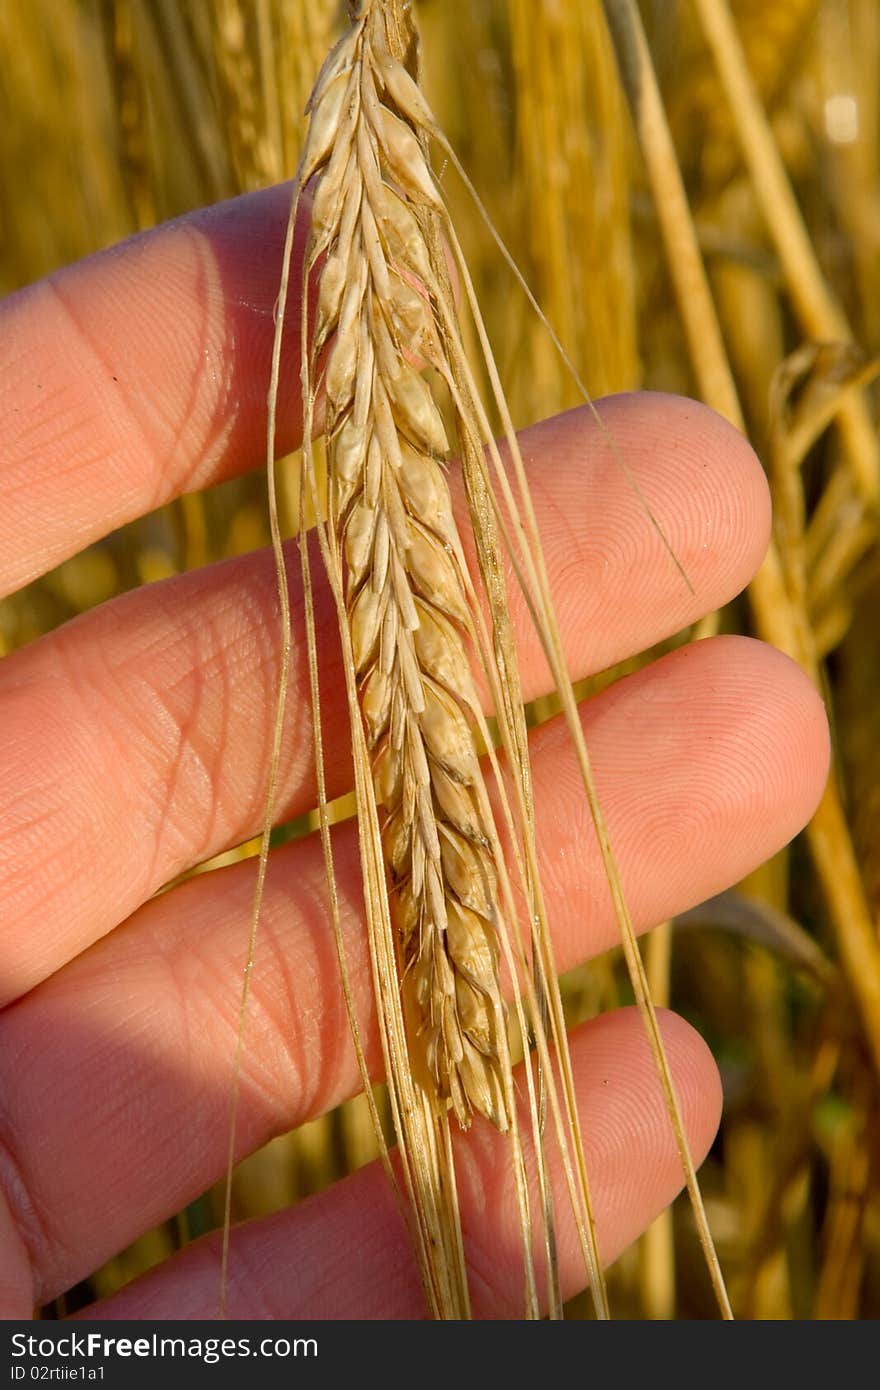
(735, 206)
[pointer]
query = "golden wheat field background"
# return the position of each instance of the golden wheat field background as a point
(757, 158)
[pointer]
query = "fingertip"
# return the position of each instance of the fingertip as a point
(697, 1080)
(633, 1161)
(787, 732)
(630, 1140)
(632, 1158)
(653, 511)
(703, 457)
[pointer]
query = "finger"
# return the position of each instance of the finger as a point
(134, 741)
(139, 374)
(299, 1263)
(707, 763)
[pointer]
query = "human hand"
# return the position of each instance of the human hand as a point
(133, 744)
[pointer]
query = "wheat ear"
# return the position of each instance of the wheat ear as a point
(438, 898)
(405, 598)
(397, 573)
(407, 610)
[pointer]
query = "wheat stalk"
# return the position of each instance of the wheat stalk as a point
(407, 609)
(439, 902)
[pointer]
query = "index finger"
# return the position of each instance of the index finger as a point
(140, 374)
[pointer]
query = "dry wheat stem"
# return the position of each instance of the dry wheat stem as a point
(438, 900)
(820, 313)
(404, 622)
(776, 619)
(409, 624)
(405, 617)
